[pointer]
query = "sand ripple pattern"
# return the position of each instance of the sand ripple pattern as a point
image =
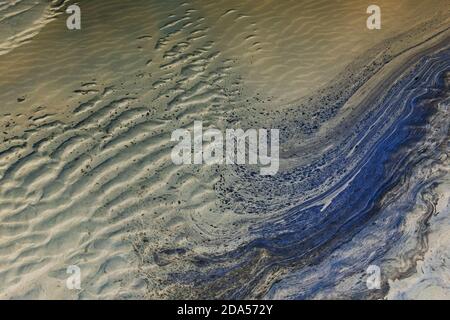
(86, 176)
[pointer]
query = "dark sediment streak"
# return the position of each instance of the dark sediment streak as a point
(311, 248)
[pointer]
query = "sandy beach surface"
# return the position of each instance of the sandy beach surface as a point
(86, 176)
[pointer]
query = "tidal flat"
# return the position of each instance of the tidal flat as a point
(87, 180)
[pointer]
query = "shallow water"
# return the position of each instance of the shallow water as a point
(86, 176)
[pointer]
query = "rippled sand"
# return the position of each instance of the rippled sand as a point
(86, 176)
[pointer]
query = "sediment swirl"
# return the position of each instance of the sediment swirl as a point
(86, 176)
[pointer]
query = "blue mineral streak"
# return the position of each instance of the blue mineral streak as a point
(309, 234)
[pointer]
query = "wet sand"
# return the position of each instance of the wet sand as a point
(86, 177)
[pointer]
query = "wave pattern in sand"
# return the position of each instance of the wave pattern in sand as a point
(85, 171)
